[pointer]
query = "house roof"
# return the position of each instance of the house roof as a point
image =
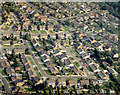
(33, 41)
(48, 63)
(83, 82)
(9, 69)
(27, 66)
(44, 57)
(72, 82)
(4, 63)
(67, 62)
(53, 69)
(101, 74)
(93, 67)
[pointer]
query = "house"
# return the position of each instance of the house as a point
(67, 62)
(19, 50)
(36, 80)
(112, 71)
(114, 54)
(16, 34)
(19, 82)
(31, 73)
(34, 35)
(4, 64)
(101, 75)
(34, 42)
(44, 58)
(107, 48)
(23, 59)
(38, 48)
(51, 82)
(15, 43)
(28, 67)
(62, 82)
(6, 42)
(93, 67)
(72, 83)
(6, 34)
(84, 82)
(10, 70)
(53, 70)
(42, 52)
(48, 63)
(50, 27)
(76, 70)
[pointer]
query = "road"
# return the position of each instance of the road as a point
(76, 58)
(6, 84)
(36, 61)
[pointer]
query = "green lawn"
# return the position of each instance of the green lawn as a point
(71, 58)
(35, 31)
(3, 72)
(7, 45)
(77, 64)
(31, 61)
(8, 79)
(66, 28)
(42, 31)
(29, 90)
(18, 45)
(43, 65)
(39, 60)
(38, 74)
(48, 72)
(12, 84)
(36, 69)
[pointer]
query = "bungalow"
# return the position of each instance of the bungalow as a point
(42, 52)
(114, 54)
(34, 42)
(112, 71)
(62, 82)
(38, 48)
(93, 67)
(44, 58)
(10, 70)
(42, 28)
(28, 67)
(53, 70)
(50, 27)
(23, 59)
(107, 48)
(15, 43)
(36, 80)
(16, 34)
(101, 75)
(6, 34)
(34, 35)
(73, 83)
(19, 50)
(4, 64)
(48, 64)
(84, 82)
(51, 83)
(76, 70)
(67, 62)
(6, 42)
(31, 73)
(19, 82)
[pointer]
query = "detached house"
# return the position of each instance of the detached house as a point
(53, 70)
(76, 70)
(4, 64)
(10, 70)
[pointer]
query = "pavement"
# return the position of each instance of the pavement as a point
(6, 84)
